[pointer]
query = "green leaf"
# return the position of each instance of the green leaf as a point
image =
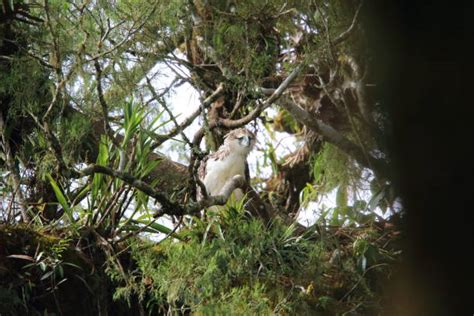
(375, 200)
(103, 156)
(359, 205)
(61, 198)
(341, 195)
(102, 160)
(149, 167)
(156, 226)
(24, 257)
(42, 266)
(72, 265)
(47, 275)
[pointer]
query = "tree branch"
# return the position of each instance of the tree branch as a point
(167, 206)
(237, 182)
(175, 131)
(104, 106)
(332, 136)
(344, 35)
(13, 173)
(231, 124)
(179, 128)
(171, 208)
(262, 106)
(256, 206)
(53, 144)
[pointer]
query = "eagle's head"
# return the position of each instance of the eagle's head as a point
(240, 141)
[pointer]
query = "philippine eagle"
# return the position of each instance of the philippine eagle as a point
(228, 161)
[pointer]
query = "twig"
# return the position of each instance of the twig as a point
(265, 104)
(174, 229)
(344, 35)
(231, 124)
(53, 144)
(104, 105)
(138, 231)
(111, 205)
(130, 32)
(126, 201)
(13, 174)
(179, 128)
(158, 98)
(361, 278)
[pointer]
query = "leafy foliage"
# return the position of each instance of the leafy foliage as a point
(85, 109)
(242, 267)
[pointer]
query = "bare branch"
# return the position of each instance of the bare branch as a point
(334, 137)
(179, 128)
(158, 98)
(13, 173)
(236, 182)
(344, 35)
(168, 206)
(262, 106)
(104, 105)
(134, 29)
(228, 123)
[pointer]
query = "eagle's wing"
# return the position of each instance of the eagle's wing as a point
(220, 154)
(201, 175)
(203, 168)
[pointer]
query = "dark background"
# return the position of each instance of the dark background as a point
(424, 63)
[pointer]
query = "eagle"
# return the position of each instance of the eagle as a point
(228, 161)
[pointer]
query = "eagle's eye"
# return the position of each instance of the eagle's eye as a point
(245, 140)
(246, 136)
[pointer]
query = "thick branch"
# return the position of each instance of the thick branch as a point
(168, 206)
(236, 182)
(332, 136)
(171, 208)
(256, 206)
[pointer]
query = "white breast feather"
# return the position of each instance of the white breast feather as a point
(220, 171)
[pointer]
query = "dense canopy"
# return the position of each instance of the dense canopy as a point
(99, 160)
